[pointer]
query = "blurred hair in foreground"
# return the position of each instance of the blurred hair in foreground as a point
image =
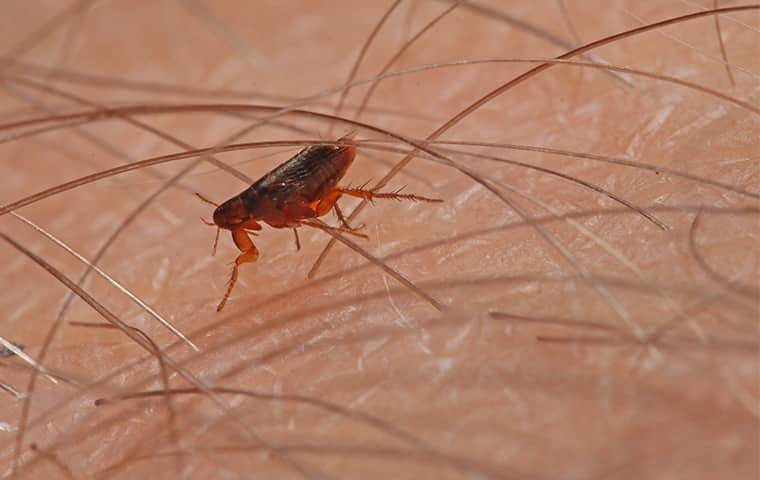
(583, 304)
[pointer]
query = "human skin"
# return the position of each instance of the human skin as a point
(604, 348)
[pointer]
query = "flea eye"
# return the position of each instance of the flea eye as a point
(221, 218)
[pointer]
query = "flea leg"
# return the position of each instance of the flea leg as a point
(298, 242)
(326, 203)
(343, 221)
(330, 201)
(249, 254)
(397, 195)
(317, 223)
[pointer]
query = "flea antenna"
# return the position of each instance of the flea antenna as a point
(210, 224)
(204, 199)
(216, 242)
(216, 239)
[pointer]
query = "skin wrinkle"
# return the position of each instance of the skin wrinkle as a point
(530, 394)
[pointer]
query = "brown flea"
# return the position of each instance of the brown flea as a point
(304, 187)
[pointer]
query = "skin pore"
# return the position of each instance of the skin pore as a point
(530, 326)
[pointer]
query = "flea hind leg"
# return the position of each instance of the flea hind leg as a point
(326, 203)
(298, 241)
(343, 221)
(397, 195)
(249, 253)
(330, 201)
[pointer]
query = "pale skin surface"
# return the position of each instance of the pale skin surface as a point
(455, 393)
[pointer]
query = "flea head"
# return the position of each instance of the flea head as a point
(231, 214)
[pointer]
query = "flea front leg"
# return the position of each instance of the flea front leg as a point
(249, 254)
